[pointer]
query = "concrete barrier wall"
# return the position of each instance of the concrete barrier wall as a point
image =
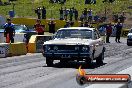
(13, 49)
(4, 49)
(16, 49)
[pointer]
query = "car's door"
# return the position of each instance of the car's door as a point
(98, 44)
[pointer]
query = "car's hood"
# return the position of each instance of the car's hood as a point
(69, 41)
(129, 34)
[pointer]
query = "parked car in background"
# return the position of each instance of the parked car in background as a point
(75, 43)
(22, 29)
(129, 38)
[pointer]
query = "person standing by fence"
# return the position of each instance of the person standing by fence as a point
(38, 12)
(43, 13)
(9, 31)
(52, 27)
(71, 13)
(66, 12)
(61, 13)
(76, 14)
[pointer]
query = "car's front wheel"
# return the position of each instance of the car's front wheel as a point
(49, 62)
(100, 59)
(128, 44)
(89, 61)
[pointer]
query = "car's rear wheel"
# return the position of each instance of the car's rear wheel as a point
(128, 44)
(100, 59)
(49, 62)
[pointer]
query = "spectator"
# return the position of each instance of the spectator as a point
(1, 3)
(118, 31)
(65, 13)
(76, 14)
(39, 27)
(61, 13)
(85, 14)
(87, 1)
(38, 12)
(90, 15)
(9, 31)
(82, 17)
(52, 27)
(43, 13)
(67, 24)
(108, 32)
(71, 14)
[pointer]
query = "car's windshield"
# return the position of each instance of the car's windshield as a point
(74, 33)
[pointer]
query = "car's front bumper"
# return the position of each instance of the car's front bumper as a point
(75, 56)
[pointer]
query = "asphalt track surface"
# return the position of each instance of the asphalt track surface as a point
(31, 71)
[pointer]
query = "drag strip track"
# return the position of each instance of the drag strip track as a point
(32, 72)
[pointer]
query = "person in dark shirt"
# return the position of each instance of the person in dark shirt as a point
(76, 14)
(61, 13)
(65, 13)
(43, 13)
(71, 14)
(108, 32)
(118, 31)
(82, 17)
(90, 15)
(9, 31)
(39, 12)
(87, 1)
(85, 14)
(51, 27)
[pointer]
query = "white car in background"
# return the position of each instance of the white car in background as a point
(129, 38)
(75, 43)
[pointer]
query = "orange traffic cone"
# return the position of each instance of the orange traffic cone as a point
(7, 38)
